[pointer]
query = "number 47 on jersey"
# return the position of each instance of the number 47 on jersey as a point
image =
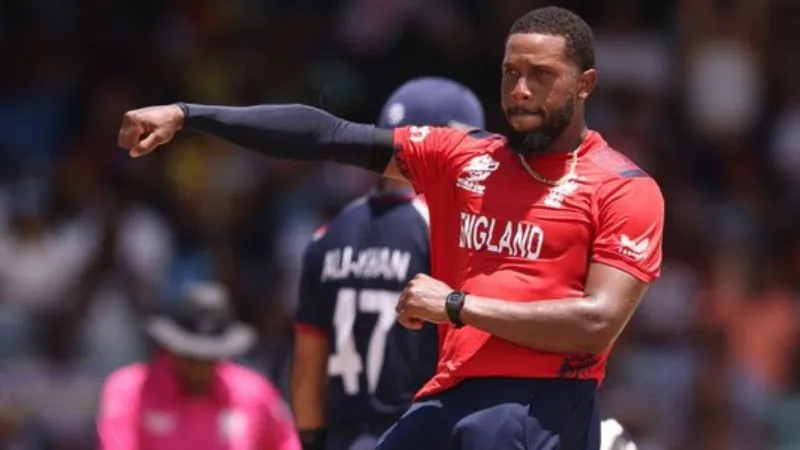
(346, 362)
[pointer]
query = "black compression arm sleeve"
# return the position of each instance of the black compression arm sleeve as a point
(297, 132)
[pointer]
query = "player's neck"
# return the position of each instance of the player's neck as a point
(569, 140)
(195, 388)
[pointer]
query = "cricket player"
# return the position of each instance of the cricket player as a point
(543, 239)
(346, 331)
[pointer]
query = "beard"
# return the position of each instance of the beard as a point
(539, 140)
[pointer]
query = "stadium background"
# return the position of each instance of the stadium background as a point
(701, 93)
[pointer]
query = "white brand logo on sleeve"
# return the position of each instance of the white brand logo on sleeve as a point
(476, 172)
(632, 248)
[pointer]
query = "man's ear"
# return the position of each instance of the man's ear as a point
(587, 83)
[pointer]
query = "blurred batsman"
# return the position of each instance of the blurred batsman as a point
(614, 437)
(543, 240)
(190, 396)
(353, 273)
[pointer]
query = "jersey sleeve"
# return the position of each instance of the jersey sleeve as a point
(629, 218)
(312, 316)
(422, 153)
(117, 426)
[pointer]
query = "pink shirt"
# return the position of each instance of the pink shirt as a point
(143, 408)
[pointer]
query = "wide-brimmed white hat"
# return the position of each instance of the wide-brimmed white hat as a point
(202, 325)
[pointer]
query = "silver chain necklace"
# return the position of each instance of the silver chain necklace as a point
(573, 163)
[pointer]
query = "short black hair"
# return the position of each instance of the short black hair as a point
(555, 21)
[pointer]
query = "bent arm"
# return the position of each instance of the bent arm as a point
(309, 372)
(589, 324)
(618, 277)
(296, 132)
(308, 380)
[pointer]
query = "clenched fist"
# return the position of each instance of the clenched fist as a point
(144, 129)
(422, 301)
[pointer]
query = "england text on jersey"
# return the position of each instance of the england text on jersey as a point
(517, 239)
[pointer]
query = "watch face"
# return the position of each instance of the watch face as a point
(453, 305)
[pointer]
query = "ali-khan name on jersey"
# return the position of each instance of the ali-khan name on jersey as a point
(369, 263)
(517, 239)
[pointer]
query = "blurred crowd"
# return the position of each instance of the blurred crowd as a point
(701, 93)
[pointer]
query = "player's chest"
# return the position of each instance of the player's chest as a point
(508, 213)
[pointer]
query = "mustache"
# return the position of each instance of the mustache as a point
(521, 111)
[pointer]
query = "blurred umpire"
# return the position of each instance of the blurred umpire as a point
(355, 371)
(191, 396)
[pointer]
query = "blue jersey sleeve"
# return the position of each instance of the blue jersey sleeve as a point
(313, 314)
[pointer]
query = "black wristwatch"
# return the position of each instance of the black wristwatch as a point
(453, 304)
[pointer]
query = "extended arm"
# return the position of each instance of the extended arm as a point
(588, 324)
(293, 131)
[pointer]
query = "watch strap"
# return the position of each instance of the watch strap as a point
(453, 305)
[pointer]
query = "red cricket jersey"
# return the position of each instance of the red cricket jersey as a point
(497, 232)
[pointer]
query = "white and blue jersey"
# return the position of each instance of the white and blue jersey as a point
(353, 274)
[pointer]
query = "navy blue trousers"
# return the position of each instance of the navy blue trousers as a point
(356, 436)
(501, 414)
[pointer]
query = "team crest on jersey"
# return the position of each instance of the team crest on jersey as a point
(476, 171)
(557, 194)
